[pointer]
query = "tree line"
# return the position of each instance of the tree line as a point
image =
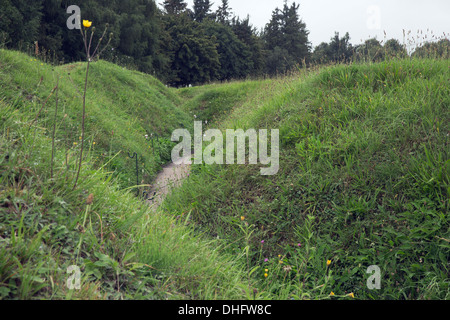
(181, 45)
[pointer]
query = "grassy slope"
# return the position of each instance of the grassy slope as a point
(214, 103)
(124, 249)
(366, 162)
(364, 180)
(122, 107)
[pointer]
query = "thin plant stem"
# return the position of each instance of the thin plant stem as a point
(83, 230)
(83, 123)
(67, 148)
(54, 127)
(89, 59)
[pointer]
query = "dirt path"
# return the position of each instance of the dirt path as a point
(171, 177)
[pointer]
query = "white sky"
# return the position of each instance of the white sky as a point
(361, 18)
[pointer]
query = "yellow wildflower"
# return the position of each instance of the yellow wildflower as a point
(351, 295)
(332, 293)
(266, 275)
(328, 262)
(87, 23)
(242, 218)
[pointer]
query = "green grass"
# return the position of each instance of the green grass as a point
(363, 180)
(122, 107)
(214, 103)
(123, 248)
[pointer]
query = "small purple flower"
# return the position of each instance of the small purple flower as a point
(262, 241)
(266, 260)
(299, 244)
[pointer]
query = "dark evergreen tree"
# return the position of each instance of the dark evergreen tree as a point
(286, 40)
(19, 22)
(273, 32)
(234, 56)
(341, 48)
(223, 13)
(202, 10)
(174, 6)
(249, 36)
(193, 55)
(338, 50)
(51, 36)
(295, 35)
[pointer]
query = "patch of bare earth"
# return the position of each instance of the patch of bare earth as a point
(171, 177)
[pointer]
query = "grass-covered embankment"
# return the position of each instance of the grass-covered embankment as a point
(124, 250)
(364, 180)
(122, 107)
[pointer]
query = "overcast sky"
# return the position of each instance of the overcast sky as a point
(361, 18)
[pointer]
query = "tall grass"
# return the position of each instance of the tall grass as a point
(115, 121)
(124, 249)
(364, 180)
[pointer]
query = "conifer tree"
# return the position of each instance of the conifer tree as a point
(338, 50)
(249, 36)
(223, 13)
(295, 35)
(174, 6)
(202, 10)
(286, 40)
(193, 54)
(234, 56)
(273, 32)
(20, 22)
